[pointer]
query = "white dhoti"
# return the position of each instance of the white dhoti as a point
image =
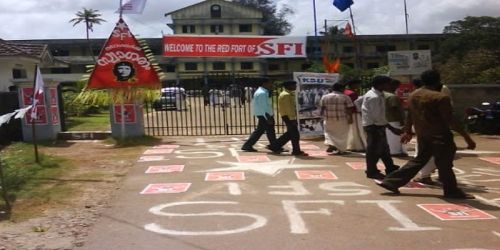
(356, 139)
(336, 132)
(394, 141)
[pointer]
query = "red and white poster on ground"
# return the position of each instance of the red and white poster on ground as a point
(129, 113)
(253, 158)
(494, 160)
(234, 46)
(225, 176)
(122, 63)
(315, 175)
(158, 151)
(166, 188)
(455, 212)
(162, 169)
(361, 165)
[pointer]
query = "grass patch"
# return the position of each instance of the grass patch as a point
(30, 186)
(92, 122)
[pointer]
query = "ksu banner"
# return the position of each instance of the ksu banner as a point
(310, 88)
(234, 46)
(409, 62)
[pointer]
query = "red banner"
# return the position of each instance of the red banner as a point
(232, 46)
(122, 63)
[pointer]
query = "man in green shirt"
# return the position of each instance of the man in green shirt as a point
(288, 111)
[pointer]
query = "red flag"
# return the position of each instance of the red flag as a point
(123, 63)
(331, 67)
(348, 30)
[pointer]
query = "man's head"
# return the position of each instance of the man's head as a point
(417, 83)
(381, 83)
(266, 83)
(353, 84)
(123, 71)
(431, 79)
(290, 85)
(394, 85)
(338, 86)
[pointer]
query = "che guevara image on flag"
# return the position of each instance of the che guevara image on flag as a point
(122, 63)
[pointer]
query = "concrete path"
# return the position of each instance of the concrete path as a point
(204, 193)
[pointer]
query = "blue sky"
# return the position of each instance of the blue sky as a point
(48, 19)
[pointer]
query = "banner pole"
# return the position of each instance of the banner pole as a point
(121, 9)
(33, 129)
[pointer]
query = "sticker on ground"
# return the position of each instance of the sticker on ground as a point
(315, 175)
(362, 165)
(225, 176)
(253, 158)
(317, 153)
(165, 169)
(166, 188)
(158, 151)
(455, 212)
(148, 158)
(494, 160)
(166, 146)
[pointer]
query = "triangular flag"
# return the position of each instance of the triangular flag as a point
(123, 63)
(133, 7)
(348, 30)
(342, 5)
(37, 92)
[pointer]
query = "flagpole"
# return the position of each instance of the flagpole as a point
(121, 9)
(358, 59)
(33, 129)
(406, 18)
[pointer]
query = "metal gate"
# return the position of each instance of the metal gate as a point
(212, 109)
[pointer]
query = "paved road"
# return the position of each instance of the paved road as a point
(203, 193)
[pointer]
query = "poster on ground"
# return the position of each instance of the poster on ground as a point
(409, 62)
(310, 88)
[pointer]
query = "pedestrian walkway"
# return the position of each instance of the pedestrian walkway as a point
(205, 193)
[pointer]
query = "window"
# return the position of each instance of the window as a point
(60, 70)
(219, 66)
(246, 65)
(191, 66)
(385, 48)
(372, 65)
(215, 11)
(60, 52)
(217, 28)
(19, 74)
(188, 29)
(274, 67)
(423, 47)
(245, 28)
(169, 68)
(348, 49)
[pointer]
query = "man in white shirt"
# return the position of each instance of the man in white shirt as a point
(374, 123)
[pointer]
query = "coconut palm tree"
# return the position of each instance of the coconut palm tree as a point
(89, 17)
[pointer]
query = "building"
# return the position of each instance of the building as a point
(220, 17)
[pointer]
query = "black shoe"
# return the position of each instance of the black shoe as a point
(276, 150)
(392, 169)
(425, 180)
(300, 153)
(388, 187)
(249, 149)
(331, 148)
(459, 195)
(377, 176)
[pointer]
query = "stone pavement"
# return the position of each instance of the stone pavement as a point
(204, 193)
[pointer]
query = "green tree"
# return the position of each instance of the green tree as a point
(470, 52)
(89, 17)
(275, 22)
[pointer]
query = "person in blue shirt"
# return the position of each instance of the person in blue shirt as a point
(263, 110)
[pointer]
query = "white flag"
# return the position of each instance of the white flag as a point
(133, 7)
(39, 85)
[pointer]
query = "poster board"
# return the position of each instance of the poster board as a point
(409, 62)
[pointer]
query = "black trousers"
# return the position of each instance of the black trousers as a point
(376, 149)
(443, 148)
(262, 127)
(292, 134)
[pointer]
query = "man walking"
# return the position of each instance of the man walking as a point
(262, 109)
(430, 112)
(356, 140)
(394, 114)
(288, 111)
(374, 124)
(336, 109)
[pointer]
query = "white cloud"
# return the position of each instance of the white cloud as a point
(35, 19)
